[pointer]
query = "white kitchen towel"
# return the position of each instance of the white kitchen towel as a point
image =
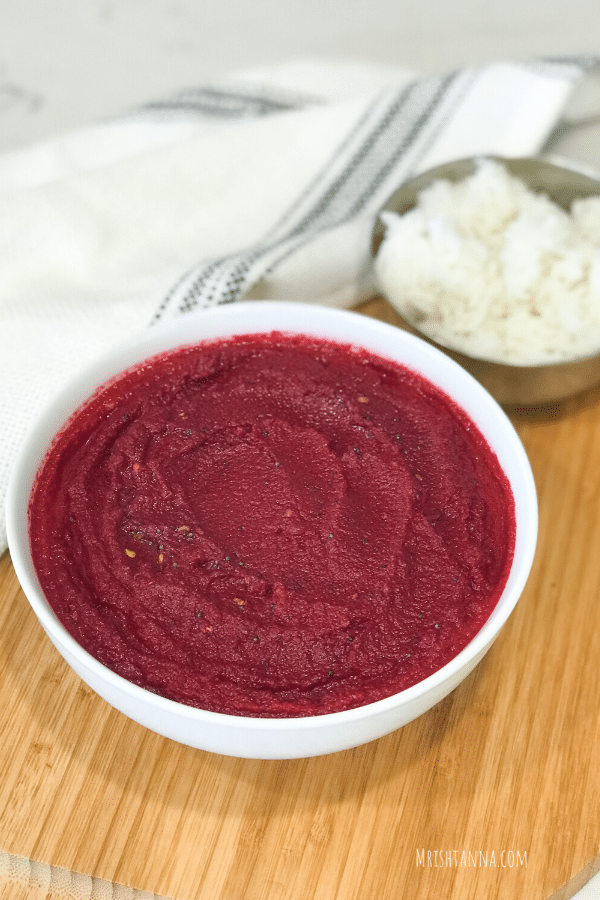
(262, 185)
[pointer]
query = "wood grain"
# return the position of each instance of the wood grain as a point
(508, 764)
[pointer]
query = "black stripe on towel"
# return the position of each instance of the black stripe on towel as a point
(393, 133)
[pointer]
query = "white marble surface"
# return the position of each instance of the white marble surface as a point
(66, 63)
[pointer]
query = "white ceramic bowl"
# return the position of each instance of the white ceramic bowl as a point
(265, 738)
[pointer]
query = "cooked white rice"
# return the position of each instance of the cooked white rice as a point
(487, 267)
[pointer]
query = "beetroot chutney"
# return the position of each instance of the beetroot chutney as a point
(272, 525)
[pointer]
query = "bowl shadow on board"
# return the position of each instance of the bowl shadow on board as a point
(357, 771)
(539, 393)
(396, 762)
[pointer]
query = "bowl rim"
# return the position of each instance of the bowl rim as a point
(43, 431)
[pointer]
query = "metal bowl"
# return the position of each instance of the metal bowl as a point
(511, 385)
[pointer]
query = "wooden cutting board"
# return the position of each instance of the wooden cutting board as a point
(495, 793)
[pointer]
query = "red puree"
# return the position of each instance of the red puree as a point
(272, 526)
